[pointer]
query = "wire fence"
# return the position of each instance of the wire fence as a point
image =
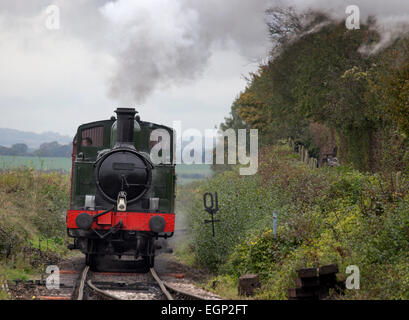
(304, 154)
(33, 251)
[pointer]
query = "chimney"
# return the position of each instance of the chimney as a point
(125, 126)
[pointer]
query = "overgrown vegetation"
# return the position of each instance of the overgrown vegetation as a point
(324, 89)
(32, 221)
(318, 74)
(325, 216)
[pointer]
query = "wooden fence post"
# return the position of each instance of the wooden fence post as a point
(398, 176)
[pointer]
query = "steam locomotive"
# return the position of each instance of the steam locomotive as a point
(121, 202)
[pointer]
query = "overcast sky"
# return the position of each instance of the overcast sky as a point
(173, 60)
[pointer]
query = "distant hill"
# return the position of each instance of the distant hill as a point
(9, 137)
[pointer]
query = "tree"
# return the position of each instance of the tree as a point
(54, 149)
(19, 149)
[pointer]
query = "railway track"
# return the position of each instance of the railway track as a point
(78, 282)
(138, 287)
(81, 288)
(37, 289)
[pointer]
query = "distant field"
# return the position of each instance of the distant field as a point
(44, 164)
(185, 173)
(188, 173)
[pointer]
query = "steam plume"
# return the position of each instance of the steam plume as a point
(161, 43)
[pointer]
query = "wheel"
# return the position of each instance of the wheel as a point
(91, 261)
(149, 261)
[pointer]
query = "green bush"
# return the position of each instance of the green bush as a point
(243, 208)
(32, 206)
(325, 216)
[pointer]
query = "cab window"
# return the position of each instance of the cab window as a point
(93, 137)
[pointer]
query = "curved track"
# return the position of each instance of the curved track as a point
(82, 283)
(86, 286)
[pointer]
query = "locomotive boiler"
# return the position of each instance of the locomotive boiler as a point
(121, 202)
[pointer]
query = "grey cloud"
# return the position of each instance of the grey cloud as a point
(157, 52)
(157, 43)
(151, 57)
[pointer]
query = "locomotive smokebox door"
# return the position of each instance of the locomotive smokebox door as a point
(123, 176)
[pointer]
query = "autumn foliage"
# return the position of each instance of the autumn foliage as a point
(324, 77)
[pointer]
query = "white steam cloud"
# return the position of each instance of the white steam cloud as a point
(168, 42)
(153, 44)
(162, 42)
(392, 16)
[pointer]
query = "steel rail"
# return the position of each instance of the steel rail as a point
(82, 283)
(182, 292)
(161, 284)
(102, 292)
(113, 297)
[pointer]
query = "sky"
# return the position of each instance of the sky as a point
(173, 60)
(156, 56)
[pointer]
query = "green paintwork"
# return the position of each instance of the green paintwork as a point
(163, 176)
